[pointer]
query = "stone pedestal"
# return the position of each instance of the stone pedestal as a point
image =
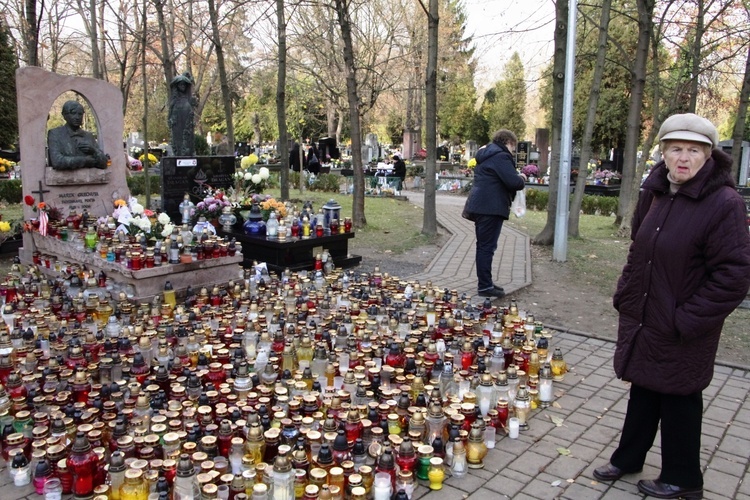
(145, 283)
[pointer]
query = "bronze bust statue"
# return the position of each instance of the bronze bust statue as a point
(71, 147)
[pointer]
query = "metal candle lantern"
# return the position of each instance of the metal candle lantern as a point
(331, 211)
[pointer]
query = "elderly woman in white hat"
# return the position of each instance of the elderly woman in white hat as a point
(688, 268)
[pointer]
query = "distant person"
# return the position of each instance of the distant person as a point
(496, 182)
(399, 170)
(688, 268)
(71, 147)
(313, 159)
(295, 160)
(221, 145)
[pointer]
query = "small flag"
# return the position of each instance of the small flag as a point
(43, 220)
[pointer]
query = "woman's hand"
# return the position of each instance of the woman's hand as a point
(523, 176)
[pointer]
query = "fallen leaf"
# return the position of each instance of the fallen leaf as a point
(556, 420)
(556, 405)
(563, 451)
(571, 481)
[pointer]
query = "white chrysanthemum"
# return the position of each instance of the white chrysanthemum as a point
(163, 219)
(168, 228)
(248, 176)
(257, 179)
(144, 223)
(264, 173)
(137, 208)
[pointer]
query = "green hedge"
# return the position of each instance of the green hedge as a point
(590, 205)
(327, 183)
(11, 191)
(137, 184)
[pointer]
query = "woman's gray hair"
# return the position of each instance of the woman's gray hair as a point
(504, 137)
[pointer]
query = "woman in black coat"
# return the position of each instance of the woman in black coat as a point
(294, 157)
(496, 182)
(688, 268)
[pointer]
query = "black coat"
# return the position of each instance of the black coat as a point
(495, 182)
(688, 268)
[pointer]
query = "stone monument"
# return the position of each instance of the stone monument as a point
(91, 189)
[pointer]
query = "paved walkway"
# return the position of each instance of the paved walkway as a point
(454, 265)
(550, 461)
(592, 401)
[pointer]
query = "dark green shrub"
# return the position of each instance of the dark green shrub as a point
(415, 170)
(329, 183)
(137, 184)
(536, 199)
(11, 191)
(201, 146)
(589, 204)
(608, 205)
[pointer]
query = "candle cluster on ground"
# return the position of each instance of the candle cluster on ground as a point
(357, 385)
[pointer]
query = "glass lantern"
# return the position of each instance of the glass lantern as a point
(227, 219)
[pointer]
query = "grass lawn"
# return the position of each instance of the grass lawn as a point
(600, 252)
(392, 224)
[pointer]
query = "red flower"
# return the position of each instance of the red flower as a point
(29, 200)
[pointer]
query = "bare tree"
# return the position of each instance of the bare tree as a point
(88, 13)
(225, 96)
(429, 221)
(547, 235)
(633, 132)
(739, 124)
(30, 32)
(281, 100)
(588, 132)
(358, 197)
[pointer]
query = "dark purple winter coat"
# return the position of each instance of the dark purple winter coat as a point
(687, 269)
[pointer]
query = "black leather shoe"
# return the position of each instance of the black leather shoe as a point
(659, 489)
(499, 288)
(492, 292)
(608, 473)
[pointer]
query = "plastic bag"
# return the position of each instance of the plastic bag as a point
(518, 207)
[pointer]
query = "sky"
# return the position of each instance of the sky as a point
(500, 27)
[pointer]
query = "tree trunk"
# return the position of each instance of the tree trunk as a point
(31, 41)
(633, 130)
(739, 125)
(146, 162)
(695, 55)
(588, 132)
(281, 100)
(226, 98)
(429, 221)
(257, 138)
(547, 234)
(358, 197)
(167, 55)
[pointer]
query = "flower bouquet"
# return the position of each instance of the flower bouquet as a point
(133, 220)
(212, 205)
(530, 170)
(248, 181)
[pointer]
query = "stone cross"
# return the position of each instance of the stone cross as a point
(41, 192)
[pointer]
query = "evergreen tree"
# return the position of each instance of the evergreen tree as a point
(457, 116)
(505, 103)
(8, 108)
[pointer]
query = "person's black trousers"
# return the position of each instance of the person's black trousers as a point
(680, 418)
(487, 231)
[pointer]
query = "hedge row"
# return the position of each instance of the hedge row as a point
(590, 205)
(327, 183)
(11, 191)
(137, 184)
